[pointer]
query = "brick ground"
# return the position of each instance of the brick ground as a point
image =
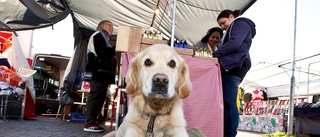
(45, 127)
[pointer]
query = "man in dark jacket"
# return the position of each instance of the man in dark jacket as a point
(100, 58)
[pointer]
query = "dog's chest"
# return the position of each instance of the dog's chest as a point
(154, 126)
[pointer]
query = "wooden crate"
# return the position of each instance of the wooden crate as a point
(184, 51)
(208, 58)
(148, 41)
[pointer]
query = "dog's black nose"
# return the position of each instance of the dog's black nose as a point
(160, 84)
(160, 79)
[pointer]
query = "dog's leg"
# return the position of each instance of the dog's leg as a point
(180, 133)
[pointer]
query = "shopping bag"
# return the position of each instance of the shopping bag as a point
(66, 99)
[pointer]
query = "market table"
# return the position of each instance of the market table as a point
(307, 120)
(203, 109)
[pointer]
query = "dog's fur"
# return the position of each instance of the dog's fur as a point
(157, 63)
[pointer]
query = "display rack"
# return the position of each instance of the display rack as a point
(264, 116)
(45, 83)
(15, 106)
(3, 107)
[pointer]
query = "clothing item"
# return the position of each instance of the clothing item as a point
(239, 71)
(235, 45)
(4, 62)
(230, 85)
(94, 128)
(98, 93)
(101, 60)
(204, 46)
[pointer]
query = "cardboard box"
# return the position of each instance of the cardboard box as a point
(48, 67)
(128, 39)
(77, 117)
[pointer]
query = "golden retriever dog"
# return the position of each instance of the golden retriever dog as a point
(157, 81)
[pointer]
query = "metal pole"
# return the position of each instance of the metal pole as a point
(173, 22)
(308, 81)
(292, 89)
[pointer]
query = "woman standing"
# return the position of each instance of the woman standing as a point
(233, 54)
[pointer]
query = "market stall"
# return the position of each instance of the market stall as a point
(307, 117)
(204, 107)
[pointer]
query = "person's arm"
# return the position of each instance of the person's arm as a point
(239, 32)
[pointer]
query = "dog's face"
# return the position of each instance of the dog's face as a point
(158, 72)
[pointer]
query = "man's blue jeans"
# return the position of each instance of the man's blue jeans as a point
(230, 85)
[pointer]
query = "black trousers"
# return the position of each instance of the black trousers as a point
(97, 96)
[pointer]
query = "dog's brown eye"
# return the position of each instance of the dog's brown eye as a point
(172, 64)
(148, 62)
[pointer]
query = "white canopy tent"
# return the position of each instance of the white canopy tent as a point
(272, 48)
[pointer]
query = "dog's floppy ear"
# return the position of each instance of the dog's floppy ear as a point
(184, 84)
(132, 76)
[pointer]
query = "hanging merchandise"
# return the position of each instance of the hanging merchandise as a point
(239, 99)
(152, 33)
(257, 95)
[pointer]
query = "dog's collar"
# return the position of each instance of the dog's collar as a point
(150, 126)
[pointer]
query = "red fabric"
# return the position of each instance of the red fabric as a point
(203, 109)
(29, 110)
(30, 62)
(113, 106)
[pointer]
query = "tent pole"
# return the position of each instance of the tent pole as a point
(173, 22)
(309, 79)
(292, 89)
(308, 82)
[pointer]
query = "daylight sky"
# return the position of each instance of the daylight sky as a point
(274, 21)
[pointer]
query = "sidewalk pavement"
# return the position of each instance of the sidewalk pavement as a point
(45, 126)
(248, 134)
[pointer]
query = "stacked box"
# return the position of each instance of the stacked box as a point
(48, 67)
